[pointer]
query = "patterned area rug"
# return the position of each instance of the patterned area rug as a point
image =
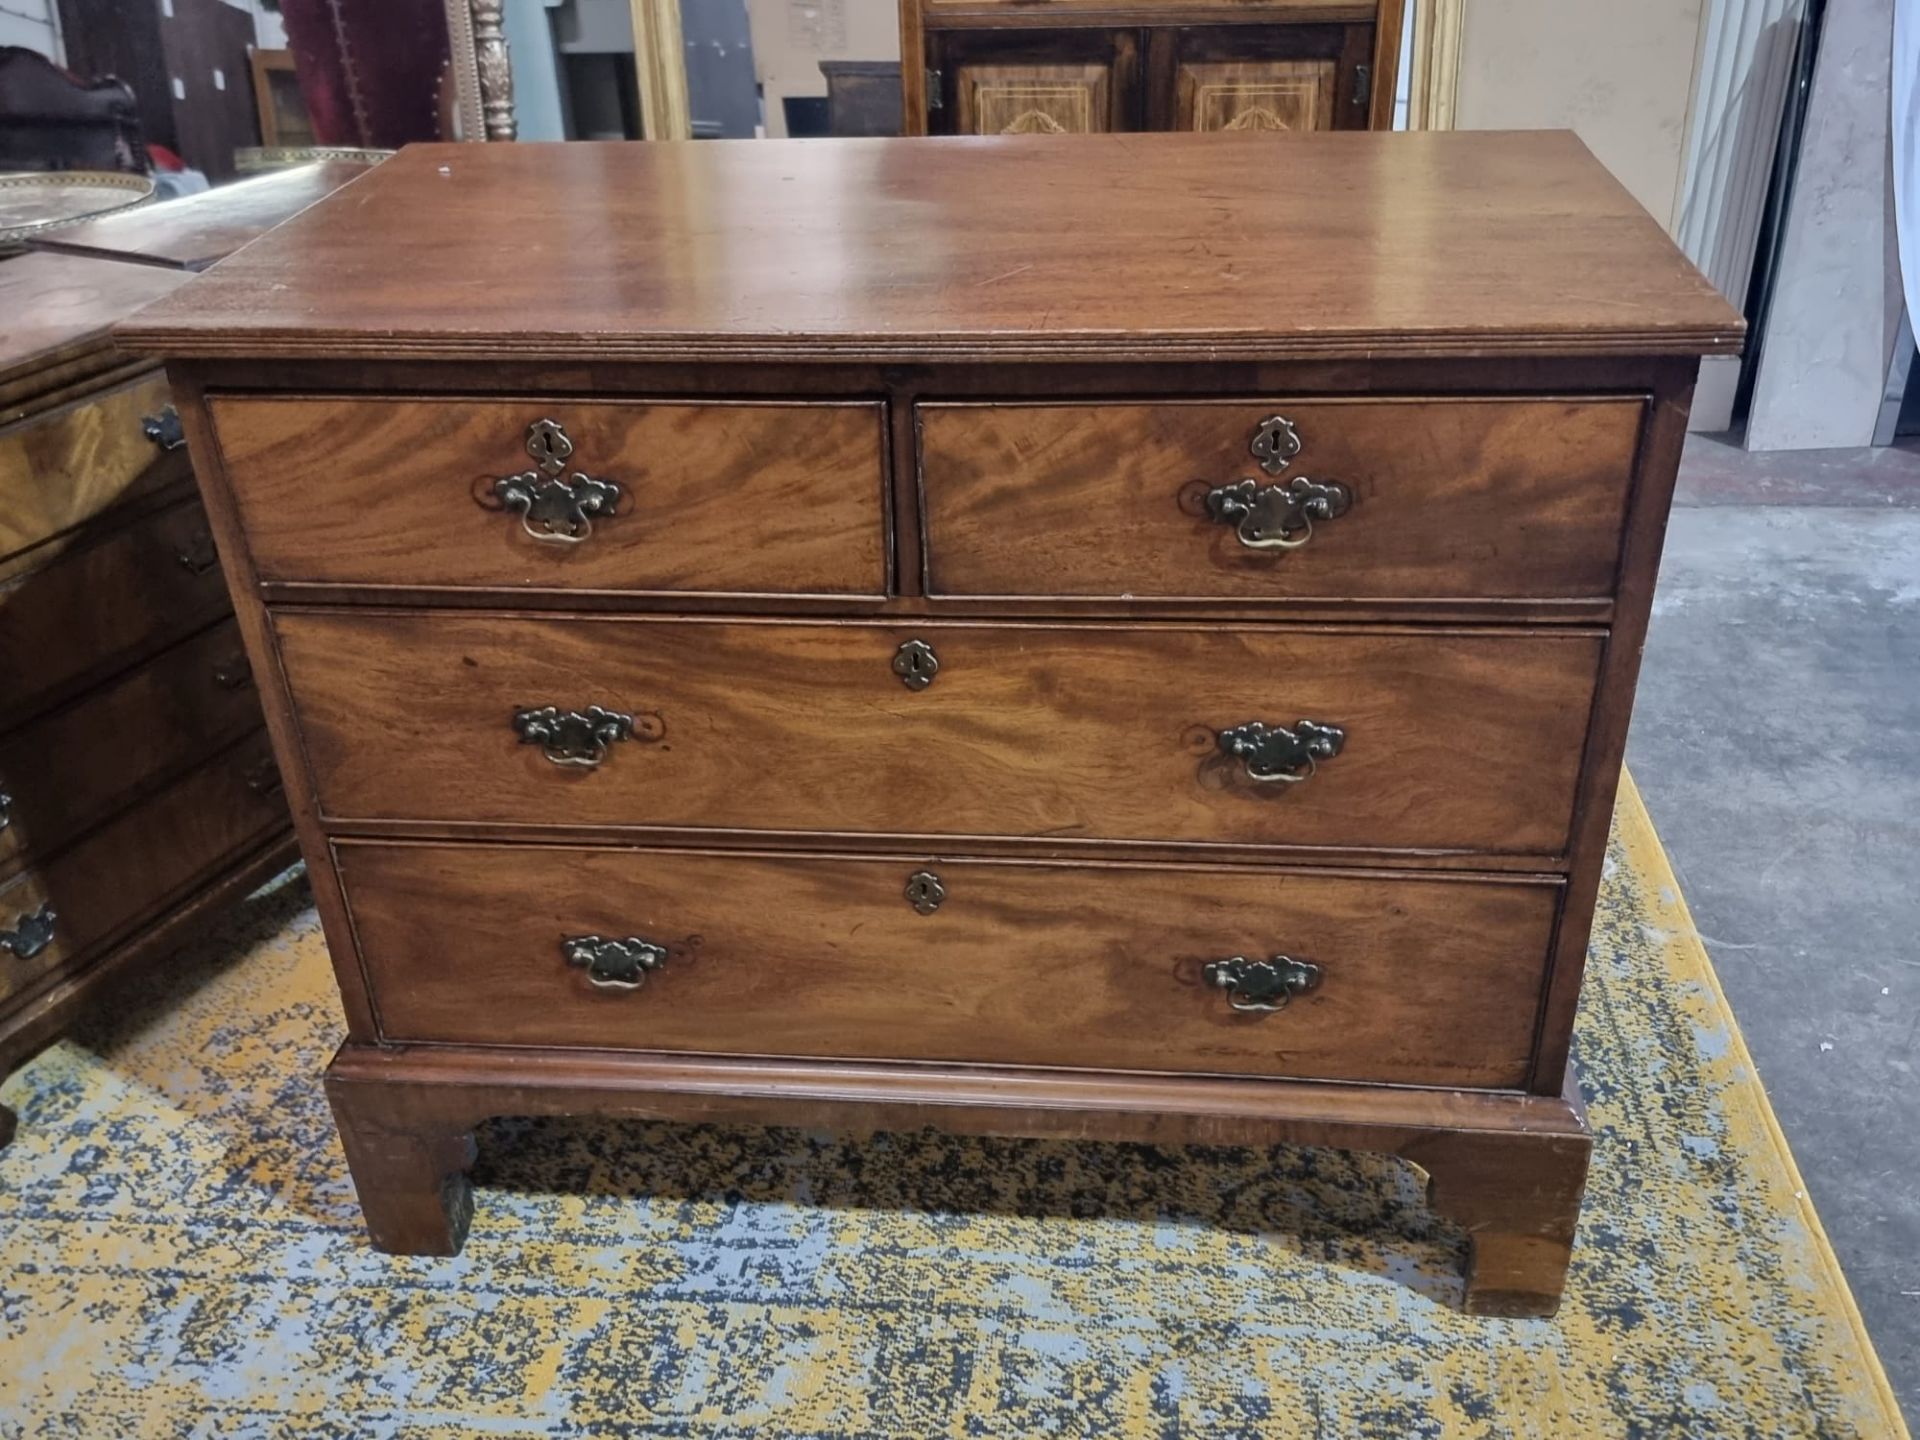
(180, 1255)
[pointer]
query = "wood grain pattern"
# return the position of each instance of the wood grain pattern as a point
(103, 604)
(1415, 244)
(1294, 95)
(1425, 981)
(65, 466)
(718, 497)
(1451, 498)
(80, 762)
(1455, 740)
(137, 862)
(194, 231)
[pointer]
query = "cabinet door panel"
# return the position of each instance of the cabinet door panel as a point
(1031, 81)
(1257, 95)
(1034, 99)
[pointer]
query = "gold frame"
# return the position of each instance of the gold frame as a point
(1435, 86)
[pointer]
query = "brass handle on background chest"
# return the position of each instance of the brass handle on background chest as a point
(1262, 987)
(1279, 516)
(1279, 755)
(614, 964)
(31, 933)
(164, 429)
(579, 738)
(555, 507)
(199, 555)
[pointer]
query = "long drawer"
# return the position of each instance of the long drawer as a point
(715, 497)
(60, 912)
(1429, 981)
(62, 468)
(119, 593)
(79, 762)
(1419, 498)
(1390, 739)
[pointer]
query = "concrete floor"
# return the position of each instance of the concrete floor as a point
(1777, 742)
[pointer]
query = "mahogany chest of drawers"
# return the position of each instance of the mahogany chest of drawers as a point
(1114, 637)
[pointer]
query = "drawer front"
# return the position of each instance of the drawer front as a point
(1466, 740)
(711, 498)
(81, 761)
(103, 603)
(59, 469)
(63, 911)
(1367, 499)
(1416, 981)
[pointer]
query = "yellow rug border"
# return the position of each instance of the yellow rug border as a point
(1641, 844)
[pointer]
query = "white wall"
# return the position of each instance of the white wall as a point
(1619, 74)
(34, 24)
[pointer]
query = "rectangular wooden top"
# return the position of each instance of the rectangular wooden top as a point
(194, 231)
(56, 312)
(1109, 247)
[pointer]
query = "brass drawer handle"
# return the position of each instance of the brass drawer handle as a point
(30, 934)
(164, 429)
(554, 508)
(1275, 755)
(198, 555)
(233, 673)
(1262, 987)
(1276, 517)
(614, 964)
(262, 777)
(573, 737)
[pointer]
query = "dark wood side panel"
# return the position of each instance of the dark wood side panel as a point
(1451, 498)
(106, 601)
(78, 763)
(747, 497)
(1455, 739)
(142, 859)
(1425, 981)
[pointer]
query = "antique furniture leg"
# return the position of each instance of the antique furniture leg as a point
(409, 1169)
(1518, 1195)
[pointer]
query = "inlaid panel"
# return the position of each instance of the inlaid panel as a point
(1035, 99)
(1257, 95)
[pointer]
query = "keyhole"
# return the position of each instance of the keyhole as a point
(916, 664)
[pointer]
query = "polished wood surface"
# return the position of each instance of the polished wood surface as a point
(194, 231)
(65, 466)
(78, 763)
(1425, 981)
(1414, 244)
(1048, 333)
(1509, 1169)
(1454, 740)
(102, 604)
(58, 307)
(147, 855)
(1451, 498)
(756, 498)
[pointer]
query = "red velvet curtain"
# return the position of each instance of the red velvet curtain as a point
(371, 71)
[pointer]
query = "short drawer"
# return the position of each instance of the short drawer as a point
(118, 592)
(60, 469)
(81, 761)
(1278, 499)
(718, 498)
(1448, 739)
(61, 911)
(1424, 981)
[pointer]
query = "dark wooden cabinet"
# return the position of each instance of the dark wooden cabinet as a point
(1074, 67)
